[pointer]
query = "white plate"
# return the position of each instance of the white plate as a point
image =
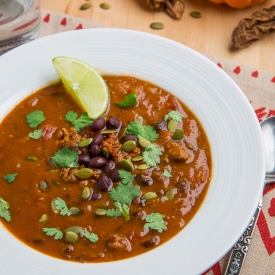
(222, 108)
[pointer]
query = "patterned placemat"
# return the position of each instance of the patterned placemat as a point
(259, 87)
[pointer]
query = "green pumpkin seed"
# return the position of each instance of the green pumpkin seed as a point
(105, 152)
(126, 165)
(52, 162)
(101, 211)
(43, 185)
(156, 26)
(172, 125)
(44, 218)
(149, 196)
(71, 237)
(105, 132)
(32, 158)
(143, 142)
(53, 207)
(74, 228)
(143, 166)
(86, 193)
(75, 210)
(122, 133)
(128, 146)
(195, 14)
(85, 142)
(178, 135)
(170, 194)
(84, 173)
(105, 6)
(85, 6)
(137, 158)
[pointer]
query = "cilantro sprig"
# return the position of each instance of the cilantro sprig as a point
(129, 101)
(145, 131)
(151, 155)
(174, 115)
(4, 210)
(155, 221)
(79, 123)
(37, 134)
(53, 232)
(35, 118)
(92, 237)
(9, 178)
(66, 158)
(167, 174)
(61, 205)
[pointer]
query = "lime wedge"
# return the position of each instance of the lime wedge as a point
(85, 85)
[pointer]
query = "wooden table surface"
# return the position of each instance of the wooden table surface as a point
(211, 34)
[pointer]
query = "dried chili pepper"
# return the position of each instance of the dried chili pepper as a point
(174, 8)
(253, 28)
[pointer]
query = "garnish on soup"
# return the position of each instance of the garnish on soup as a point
(106, 186)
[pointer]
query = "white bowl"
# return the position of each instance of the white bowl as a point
(224, 111)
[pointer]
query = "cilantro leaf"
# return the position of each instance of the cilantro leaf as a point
(166, 174)
(124, 194)
(151, 155)
(92, 237)
(155, 221)
(66, 158)
(113, 213)
(146, 131)
(10, 177)
(175, 115)
(37, 134)
(4, 212)
(79, 123)
(70, 116)
(125, 176)
(129, 101)
(124, 209)
(60, 204)
(35, 118)
(53, 232)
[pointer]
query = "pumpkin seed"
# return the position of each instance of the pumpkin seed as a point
(53, 207)
(172, 125)
(126, 165)
(74, 228)
(195, 14)
(128, 146)
(85, 6)
(85, 142)
(84, 173)
(108, 131)
(86, 193)
(74, 210)
(137, 158)
(32, 158)
(122, 133)
(149, 196)
(44, 218)
(143, 166)
(52, 162)
(71, 237)
(170, 194)
(101, 211)
(43, 185)
(156, 26)
(178, 135)
(105, 6)
(143, 142)
(105, 152)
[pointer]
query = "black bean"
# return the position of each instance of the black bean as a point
(96, 196)
(114, 176)
(161, 125)
(152, 242)
(95, 150)
(84, 158)
(104, 183)
(98, 124)
(97, 140)
(109, 166)
(97, 162)
(128, 137)
(113, 122)
(144, 179)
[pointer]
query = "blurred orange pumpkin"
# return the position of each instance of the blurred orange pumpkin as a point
(238, 4)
